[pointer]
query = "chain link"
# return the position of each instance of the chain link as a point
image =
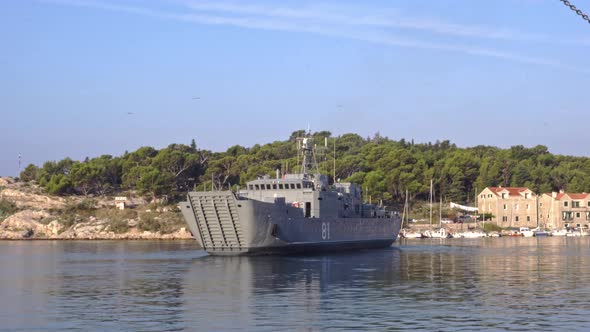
(576, 10)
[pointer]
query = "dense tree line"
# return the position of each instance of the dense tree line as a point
(384, 168)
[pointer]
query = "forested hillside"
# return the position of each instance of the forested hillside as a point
(383, 167)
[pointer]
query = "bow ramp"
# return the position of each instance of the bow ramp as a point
(216, 216)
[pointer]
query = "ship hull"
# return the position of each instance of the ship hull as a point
(307, 248)
(225, 225)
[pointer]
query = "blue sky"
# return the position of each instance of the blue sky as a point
(500, 73)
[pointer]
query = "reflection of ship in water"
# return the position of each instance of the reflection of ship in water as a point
(300, 288)
(278, 292)
(292, 213)
(392, 284)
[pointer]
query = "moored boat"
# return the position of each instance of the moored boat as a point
(541, 232)
(526, 232)
(439, 233)
(471, 234)
(558, 232)
(408, 234)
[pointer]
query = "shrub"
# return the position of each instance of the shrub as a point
(87, 204)
(118, 226)
(489, 227)
(112, 214)
(7, 208)
(149, 222)
(68, 220)
(171, 222)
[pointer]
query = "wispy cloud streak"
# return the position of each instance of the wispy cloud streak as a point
(390, 19)
(319, 23)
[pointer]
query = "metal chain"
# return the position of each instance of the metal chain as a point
(576, 10)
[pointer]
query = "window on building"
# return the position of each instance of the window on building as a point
(505, 207)
(280, 186)
(274, 186)
(503, 195)
(490, 196)
(526, 196)
(540, 204)
(516, 218)
(268, 186)
(577, 214)
(576, 204)
(564, 203)
(528, 218)
(587, 215)
(299, 186)
(567, 215)
(516, 207)
(504, 218)
(528, 206)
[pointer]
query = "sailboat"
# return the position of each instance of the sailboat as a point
(406, 232)
(440, 232)
(470, 233)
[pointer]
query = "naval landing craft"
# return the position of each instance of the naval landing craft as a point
(289, 214)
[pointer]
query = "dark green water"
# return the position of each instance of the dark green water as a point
(523, 284)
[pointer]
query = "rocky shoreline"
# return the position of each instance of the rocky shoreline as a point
(26, 213)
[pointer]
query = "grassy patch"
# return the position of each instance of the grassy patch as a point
(116, 220)
(7, 208)
(489, 227)
(75, 212)
(165, 222)
(118, 226)
(115, 214)
(149, 221)
(68, 220)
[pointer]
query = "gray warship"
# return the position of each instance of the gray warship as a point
(292, 213)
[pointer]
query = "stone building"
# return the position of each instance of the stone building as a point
(559, 210)
(509, 206)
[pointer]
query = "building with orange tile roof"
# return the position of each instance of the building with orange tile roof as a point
(509, 206)
(561, 210)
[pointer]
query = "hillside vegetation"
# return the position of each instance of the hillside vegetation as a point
(384, 168)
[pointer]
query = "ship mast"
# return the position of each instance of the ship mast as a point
(308, 154)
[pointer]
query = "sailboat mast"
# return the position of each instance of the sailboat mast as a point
(430, 203)
(440, 213)
(334, 159)
(405, 207)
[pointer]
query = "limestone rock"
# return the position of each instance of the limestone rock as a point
(4, 181)
(29, 200)
(24, 221)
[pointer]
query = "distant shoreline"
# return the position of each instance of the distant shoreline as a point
(27, 212)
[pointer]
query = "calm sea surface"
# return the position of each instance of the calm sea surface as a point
(523, 284)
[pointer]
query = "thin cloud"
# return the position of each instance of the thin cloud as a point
(334, 15)
(276, 20)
